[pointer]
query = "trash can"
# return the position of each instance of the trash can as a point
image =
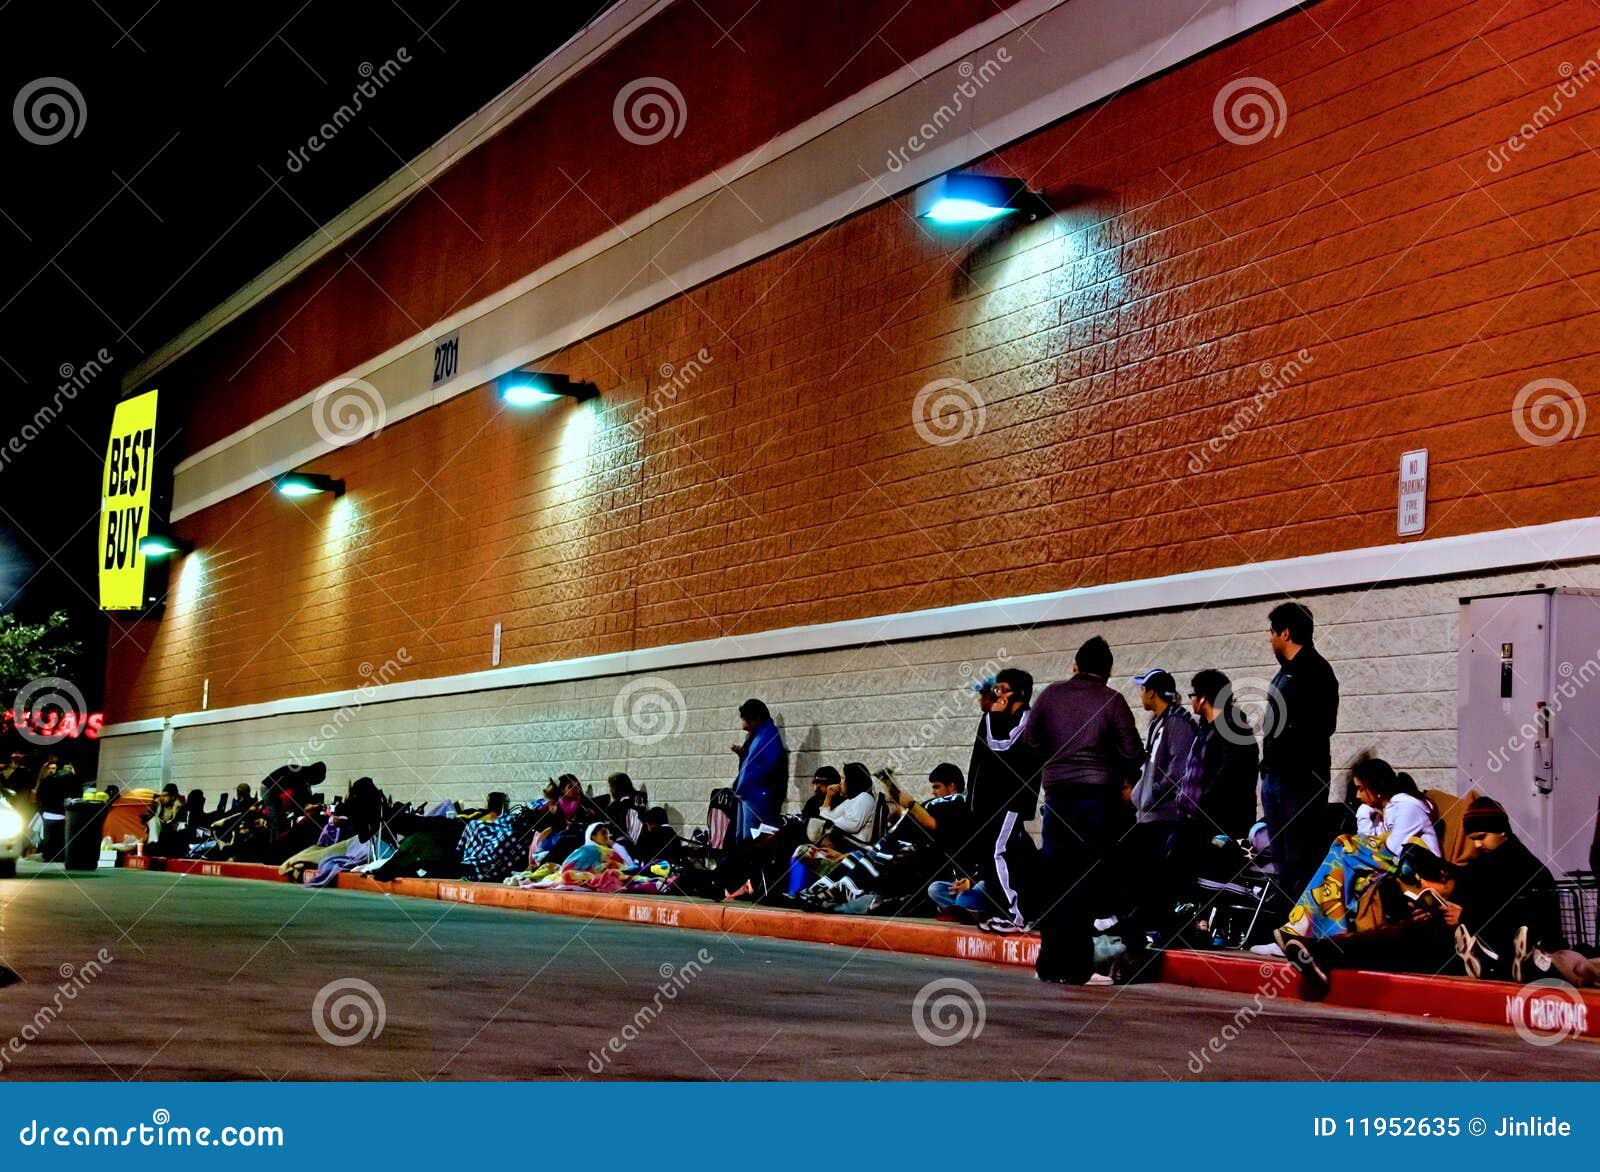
(83, 834)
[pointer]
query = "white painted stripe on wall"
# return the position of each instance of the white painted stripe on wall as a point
(799, 183)
(1432, 558)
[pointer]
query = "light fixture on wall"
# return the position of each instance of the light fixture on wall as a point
(965, 197)
(528, 388)
(302, 484)
(161, 544)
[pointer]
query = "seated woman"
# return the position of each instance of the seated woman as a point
(1392, 814)
(1418, 936)
(846, 816)
(559, 825)
(925, 841)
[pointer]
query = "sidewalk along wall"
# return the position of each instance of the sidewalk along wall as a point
(908, 703)
(1215, 353)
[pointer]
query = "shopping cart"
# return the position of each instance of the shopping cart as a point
(1579, 894)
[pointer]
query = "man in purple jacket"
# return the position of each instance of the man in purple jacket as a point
(1083, 731)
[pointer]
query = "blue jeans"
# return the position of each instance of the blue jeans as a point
(1295, 811)
(973, 899)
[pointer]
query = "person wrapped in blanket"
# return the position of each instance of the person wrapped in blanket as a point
(1417, 935)
(1392, 814)
(1494, 916)
(923, 844)
(757, 867)
(603, 863)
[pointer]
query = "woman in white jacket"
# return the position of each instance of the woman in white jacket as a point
(1393, 815)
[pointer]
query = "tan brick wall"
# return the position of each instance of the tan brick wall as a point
(1393, 648)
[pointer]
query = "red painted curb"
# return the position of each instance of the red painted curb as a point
(1541, 1012)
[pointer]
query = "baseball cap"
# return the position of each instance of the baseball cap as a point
(1159, 680)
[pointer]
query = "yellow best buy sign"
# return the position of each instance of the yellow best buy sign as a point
(125, 502)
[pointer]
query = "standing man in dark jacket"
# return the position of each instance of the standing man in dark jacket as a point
(1084, 735)
(1296, 757)
(1002, 793)
(1226, 759)
(1158, 847)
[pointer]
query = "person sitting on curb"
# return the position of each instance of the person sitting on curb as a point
(923, 842)
(1508, 898)
(1418, 935)
(1392, 815)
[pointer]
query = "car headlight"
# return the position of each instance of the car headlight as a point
(10, 824)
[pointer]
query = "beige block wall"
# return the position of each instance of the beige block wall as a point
(1393, 648)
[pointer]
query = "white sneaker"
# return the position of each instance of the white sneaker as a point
(1100, 979)
(1106, 924)
(1003, 926)
(1267, 950)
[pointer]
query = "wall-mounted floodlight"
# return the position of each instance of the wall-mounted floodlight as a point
(965, 197)
(526, 388)
(301, 484)
(156, 546)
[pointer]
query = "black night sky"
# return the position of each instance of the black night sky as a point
(173, 189)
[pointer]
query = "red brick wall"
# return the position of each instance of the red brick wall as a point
(560, 175)
(786, 483)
